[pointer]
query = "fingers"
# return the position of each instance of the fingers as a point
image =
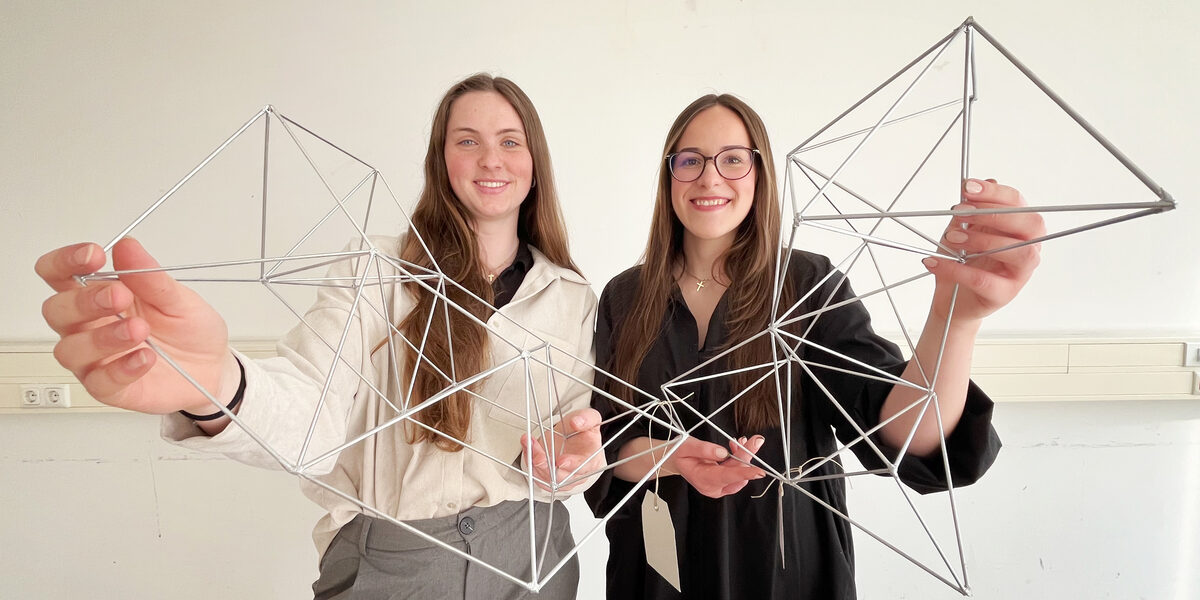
(79, 351)
(993, 289)
(710, 478)
(564, 466)
(74, 309)
(744, 449)
(1020, 225)
(1018, 257)
(734, 488)
(701, 450)
(705, 466)
(536, 454)
(581, 444)
(988, 190)
(583, 420)
(58, 268)
(156, 288)
(539, 459)
(713, 480)
(582, 430)
(979, 194)
(115, 377)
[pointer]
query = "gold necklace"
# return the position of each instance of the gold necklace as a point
(699, 282)
(491, 275)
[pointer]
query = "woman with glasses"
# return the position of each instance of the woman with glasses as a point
(489, 216)
(703, 289)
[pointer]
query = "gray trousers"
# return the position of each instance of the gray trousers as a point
(373, 559)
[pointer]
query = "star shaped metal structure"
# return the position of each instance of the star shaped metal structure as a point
(876, 184)
(322, 196)
(314, 197)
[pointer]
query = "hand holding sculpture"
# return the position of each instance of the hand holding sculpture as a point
(104, 327)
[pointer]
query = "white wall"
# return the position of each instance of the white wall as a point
(103, 106)
(107, 105)
(1087, 500)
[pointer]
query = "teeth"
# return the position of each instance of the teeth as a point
(716, 202)
(492, 184)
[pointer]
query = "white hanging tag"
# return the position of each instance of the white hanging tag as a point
(658, 532)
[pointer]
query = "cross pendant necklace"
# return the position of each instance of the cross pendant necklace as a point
(699, 282)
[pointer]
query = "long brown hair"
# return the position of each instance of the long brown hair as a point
(445, 227)
(749, 263)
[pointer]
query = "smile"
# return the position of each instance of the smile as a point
(710, 201)
(491, 184)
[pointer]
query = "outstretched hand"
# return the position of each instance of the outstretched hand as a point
(715, 471)
(577, 443)
(108, 354)
(986, 283)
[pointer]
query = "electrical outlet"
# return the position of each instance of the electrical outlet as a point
(1191, 354)
(57, 396)
(31, 396)
(45, 395)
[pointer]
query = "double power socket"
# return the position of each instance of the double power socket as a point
(46, 395)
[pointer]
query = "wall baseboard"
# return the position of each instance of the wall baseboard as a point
(1010, 369)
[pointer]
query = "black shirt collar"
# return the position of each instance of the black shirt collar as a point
(506, 284)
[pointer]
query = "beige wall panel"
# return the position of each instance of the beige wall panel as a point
(1126, 355)
(1090, 385)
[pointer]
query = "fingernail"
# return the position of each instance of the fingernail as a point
(722, 454)
(136, 360)
(104, 299)
(973, 187)
(930, 262)
(956, 236)
(962, 207)
(83, 255)
(122, 332)
(577, 422)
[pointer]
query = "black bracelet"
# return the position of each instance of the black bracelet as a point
(237, 399)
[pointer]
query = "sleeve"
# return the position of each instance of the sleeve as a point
(857, 364)
(297, 404)
(607, 492)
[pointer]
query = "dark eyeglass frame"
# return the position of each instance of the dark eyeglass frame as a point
(671, 160)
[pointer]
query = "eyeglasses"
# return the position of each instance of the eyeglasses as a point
(731, 163)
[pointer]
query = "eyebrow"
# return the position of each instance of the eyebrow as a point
(722, 149)
(476, 132)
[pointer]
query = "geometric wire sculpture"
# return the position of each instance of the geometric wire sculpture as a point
(353, 198)
(868, 203)
(372, 281)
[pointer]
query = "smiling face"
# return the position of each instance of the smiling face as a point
(711, 207)
(487, 158)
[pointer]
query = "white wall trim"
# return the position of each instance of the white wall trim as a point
(1009, 368)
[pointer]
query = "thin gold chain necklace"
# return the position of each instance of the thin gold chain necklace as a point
(493, 274)
(699, 282)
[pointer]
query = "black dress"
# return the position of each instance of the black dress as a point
(729, 547)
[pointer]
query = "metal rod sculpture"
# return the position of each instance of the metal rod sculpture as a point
(874, 225)
(377, 279)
